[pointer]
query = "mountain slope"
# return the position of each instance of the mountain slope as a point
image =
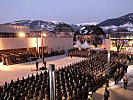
(49, 25)
(118, 21)
(123, 22)
(36, 24)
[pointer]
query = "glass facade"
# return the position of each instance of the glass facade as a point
(121, 41)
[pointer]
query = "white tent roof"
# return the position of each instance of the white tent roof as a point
(85, 45)
(77, 45)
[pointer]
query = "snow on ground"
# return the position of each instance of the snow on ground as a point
(24, 69)
(130, 78)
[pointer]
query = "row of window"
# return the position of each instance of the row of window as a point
(15, 28)
(8, 35)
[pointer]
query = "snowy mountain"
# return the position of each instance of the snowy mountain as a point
(36, 24)
(49, 25)
(123, 23)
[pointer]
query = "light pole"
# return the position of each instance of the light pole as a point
(42, 36)
(52, 81)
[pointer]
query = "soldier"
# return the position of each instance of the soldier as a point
(106, 94)
(125, 81)
(36, 65)
(90, 96)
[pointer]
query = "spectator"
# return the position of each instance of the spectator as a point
(125, 81)
(115, 77)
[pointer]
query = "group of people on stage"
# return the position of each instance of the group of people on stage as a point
(73, 82)
(17, 57)
(9, 58)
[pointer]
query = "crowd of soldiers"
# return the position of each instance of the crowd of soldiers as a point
(73, 82)
(18, 57)
(54, 53)
(10, 58)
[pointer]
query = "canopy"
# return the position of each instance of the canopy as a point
(85, 45)
(77, 45)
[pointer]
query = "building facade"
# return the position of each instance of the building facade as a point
(121, 41)
(63, 29)
(18, 44)
(10, 39)
(7, 31)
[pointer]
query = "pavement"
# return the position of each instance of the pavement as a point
(117, 92)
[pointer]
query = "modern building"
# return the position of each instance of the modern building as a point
(15, 40)
(17, 37)
(122, 41)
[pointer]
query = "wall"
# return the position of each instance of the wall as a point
(54, 43)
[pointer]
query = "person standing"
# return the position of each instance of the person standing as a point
(36, 65)
(106, 94)
(115, 77)
(89, 96)
(44, 62)
(125, 81)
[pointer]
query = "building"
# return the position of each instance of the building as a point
(17, 37)
(121, 41)
(13, 31)
(63, 29)
(92, 34)
(16, 43)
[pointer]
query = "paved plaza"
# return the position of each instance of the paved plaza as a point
(24, 69)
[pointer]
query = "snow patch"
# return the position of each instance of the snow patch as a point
(92, 23)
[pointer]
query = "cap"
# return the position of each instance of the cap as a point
(90, 92)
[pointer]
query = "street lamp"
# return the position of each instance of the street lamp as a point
(21, 34)
(43, 34)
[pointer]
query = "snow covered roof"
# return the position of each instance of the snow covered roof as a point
(62, 27)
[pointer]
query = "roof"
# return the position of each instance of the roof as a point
(122, 33)
(89, 30)
(62, 27)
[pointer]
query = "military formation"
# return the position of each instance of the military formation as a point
(73, 82)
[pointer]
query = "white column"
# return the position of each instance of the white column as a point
(52, 81)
